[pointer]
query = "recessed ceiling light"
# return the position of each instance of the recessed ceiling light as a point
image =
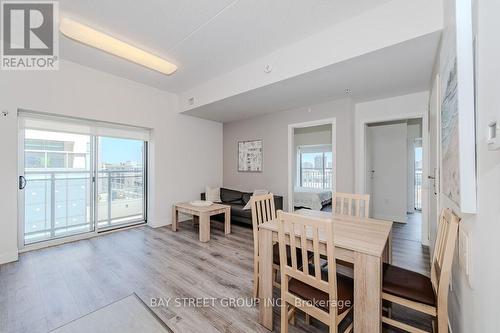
(99, 40)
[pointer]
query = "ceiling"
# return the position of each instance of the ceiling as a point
(205, 38)
(396, 70)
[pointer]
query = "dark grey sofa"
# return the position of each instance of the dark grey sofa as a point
(237, 200)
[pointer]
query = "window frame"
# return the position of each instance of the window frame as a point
(324, 168)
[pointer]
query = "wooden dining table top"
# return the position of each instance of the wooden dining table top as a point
(365, 235)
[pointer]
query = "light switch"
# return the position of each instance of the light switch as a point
(464, 251)
(493, 136)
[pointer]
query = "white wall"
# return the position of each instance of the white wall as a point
(314, 135)
(474, 300)
(273, 130)
(186, 152)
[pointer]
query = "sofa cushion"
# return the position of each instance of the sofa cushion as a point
(228, 195)
(237, 210)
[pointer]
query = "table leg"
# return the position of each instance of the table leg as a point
(388, 250)
(175, 217)
(204, 228)
(227, 222)
(266, 278)
(367, 293)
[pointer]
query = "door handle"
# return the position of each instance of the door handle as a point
(22, 182)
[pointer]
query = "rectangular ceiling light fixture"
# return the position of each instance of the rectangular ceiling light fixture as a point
(99, 40)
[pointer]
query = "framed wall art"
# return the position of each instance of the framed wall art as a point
(250, 156)
(458, 141)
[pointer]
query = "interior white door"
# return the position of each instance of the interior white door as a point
(387, 170)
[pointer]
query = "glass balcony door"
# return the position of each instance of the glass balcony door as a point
(58, 186)
(121, 190)
(71, 181)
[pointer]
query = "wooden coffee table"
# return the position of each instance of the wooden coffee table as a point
(204, 214)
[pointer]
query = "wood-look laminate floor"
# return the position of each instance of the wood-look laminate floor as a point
(50, 287)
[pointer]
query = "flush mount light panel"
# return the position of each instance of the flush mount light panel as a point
(101, 41)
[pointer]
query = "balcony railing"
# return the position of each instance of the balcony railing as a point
(60, 203)
(418, 189)
(316, 178)
(120, 197)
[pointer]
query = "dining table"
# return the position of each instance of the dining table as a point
(364, 242)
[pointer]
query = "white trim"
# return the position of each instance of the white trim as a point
(466, 108)
(437, 175)
(20, 193)
(161, 223)
(360, 165)
(8, 257)
(292, 153)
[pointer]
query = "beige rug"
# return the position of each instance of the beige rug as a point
(129, 314)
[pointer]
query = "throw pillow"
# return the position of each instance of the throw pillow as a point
(212, 194)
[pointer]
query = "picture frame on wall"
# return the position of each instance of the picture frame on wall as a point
(250, 156)
(458, 137)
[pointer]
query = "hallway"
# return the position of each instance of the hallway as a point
(408, 251)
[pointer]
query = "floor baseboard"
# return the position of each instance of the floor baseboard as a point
(9, 257)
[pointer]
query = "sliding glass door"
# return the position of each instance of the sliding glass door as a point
(121, 182)
(79, 183)
(57, 185)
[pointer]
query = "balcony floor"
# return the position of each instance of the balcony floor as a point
(50, 287)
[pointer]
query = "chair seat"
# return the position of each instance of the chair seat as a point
(407, 284)
(276, 255)
(345, 291)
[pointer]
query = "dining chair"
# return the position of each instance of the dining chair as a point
(351, 204)
(318, 291)
(419, 292)
(263, 210)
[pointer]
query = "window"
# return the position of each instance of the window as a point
(418, 174)
(315, 166)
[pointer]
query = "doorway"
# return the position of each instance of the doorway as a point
(311, 164)
(74, 182)
(395, 163)
(394, 172)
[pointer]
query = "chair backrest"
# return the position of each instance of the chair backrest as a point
(307, 231)
(263, 210)
(442, 259)
(351, 204)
